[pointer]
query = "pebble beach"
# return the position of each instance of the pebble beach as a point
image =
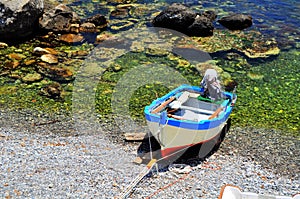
(39, 162)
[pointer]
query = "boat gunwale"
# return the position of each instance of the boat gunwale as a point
(154, 117)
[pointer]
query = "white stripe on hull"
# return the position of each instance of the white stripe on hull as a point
(170, 136)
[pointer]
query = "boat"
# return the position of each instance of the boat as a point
(184, 118)
(234, 192)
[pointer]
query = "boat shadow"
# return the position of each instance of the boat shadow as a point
(193, 156)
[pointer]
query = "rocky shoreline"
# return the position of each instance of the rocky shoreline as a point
(43, 161)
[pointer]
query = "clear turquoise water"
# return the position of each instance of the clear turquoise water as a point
(272, 101)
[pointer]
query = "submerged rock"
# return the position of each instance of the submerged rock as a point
(19, 18)
(88, 27)
(56, 73)
(98, 20)
(236, 21)
(52, 90)
(71, 38)
(32, 77)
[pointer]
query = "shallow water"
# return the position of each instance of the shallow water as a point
(268, 88)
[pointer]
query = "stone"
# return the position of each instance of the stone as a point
(98, 20)
(201, 27)
(56, 73)
(29, 62)
(103, 37)
(16, 56)
(52, 90)
(11, 64)
(119, 13)
(49, 58)
(210, 14)
(3, 45)
(176, 16)
(19, 18)
(236, 21)
(32, 77)
(59, 19)
(43, 51)
(71, 38)
(74, 28)
(87, 27)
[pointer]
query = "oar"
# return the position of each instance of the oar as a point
(162, 105)
(216, 113)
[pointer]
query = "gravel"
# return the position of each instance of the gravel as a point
(47, 157)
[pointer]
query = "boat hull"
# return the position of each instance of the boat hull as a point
(175, 136)
(174, 139)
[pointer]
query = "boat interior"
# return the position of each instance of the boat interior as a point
(188, 107)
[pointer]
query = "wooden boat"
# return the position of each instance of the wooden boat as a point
(182, 118)
(233, 192)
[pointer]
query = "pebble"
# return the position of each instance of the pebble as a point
(71, 38)
(3, 45)
(49, 58)
(43, 51)
(85, 164)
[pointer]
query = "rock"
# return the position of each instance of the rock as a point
(11, 65)
(3, 45)
(119, 13)
(32, 77)
(43, 51)
(210, 14)
(16, 56)
(52, 90)
(98, 20)
(103, 37)
(49, 58)
(71, 38)
(56, 73)
(74, 28)
(122, 25)
(19, 18)
(88, 31)
(202, 27)
(59, 19)
(29, 62)
(177, 17)
(236, 21)
(87, 27)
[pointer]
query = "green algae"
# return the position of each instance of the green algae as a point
(271, 99)
(268, 98)
(268, 91)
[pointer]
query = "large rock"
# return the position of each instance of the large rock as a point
(18, 18)
(202, 27)
(183, 19)
(236, 21)
(59, 19)
(176, 16)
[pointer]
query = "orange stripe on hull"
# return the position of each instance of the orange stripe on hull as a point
(173, 150)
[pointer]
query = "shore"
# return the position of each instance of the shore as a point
(44, 156)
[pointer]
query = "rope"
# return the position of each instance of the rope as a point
(167, 186)
(211, 165)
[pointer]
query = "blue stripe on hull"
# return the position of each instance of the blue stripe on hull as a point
(201, 125)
